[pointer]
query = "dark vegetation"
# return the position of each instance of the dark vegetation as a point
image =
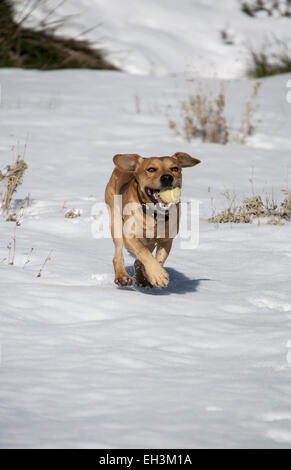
(41, 49)
(273, 59)
(267, 7)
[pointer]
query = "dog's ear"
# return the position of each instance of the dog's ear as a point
(185, 160)
(127, 162)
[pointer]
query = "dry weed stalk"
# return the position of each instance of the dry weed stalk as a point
(204, 117)
(11, 251)
(28, 258)
(285, 209)
(48, 258)
(10, 181)
(247, 126)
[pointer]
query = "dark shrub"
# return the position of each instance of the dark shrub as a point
(30, 49)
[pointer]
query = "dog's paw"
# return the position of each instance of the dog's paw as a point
(140, 275)
(158, 276)
(124, 281)
(144, 283)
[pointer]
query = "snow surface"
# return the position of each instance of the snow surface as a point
(203, 363)
(159, 37)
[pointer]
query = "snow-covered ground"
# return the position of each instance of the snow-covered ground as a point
(201, 363)
(158, 37)
(205, 362)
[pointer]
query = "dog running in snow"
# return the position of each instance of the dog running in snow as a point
(152, 187)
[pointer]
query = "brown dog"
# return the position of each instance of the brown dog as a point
(138, 182)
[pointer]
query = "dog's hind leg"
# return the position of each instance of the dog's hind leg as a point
(140, 274)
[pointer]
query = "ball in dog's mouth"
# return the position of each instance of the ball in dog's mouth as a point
(164, 197)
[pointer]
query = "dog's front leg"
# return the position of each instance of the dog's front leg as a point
(163, 250)
(122, 278)
(155, 273)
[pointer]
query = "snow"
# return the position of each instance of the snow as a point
(203, 363)
(165, 36)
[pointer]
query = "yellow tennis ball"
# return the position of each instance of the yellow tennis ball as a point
(171, 195)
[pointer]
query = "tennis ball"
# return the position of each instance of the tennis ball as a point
(171, 195)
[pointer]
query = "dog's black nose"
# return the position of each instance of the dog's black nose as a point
(166, 180)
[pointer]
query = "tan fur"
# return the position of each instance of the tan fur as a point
(131, 174)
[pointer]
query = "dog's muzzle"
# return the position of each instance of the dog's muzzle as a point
(166, 181)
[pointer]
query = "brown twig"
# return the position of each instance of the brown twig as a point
(48, 258)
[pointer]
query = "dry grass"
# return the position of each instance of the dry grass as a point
(275, 221)
(73, 213)
(285, 209)
(237, 215)
(202, 116)
(253, 208)
(10, 181)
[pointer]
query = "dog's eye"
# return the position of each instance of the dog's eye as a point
(151, 169)
(175, 168)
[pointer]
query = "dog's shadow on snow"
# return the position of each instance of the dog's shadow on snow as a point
(179, 283)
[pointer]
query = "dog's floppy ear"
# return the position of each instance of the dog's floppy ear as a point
(127, 162)
(185, 160)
